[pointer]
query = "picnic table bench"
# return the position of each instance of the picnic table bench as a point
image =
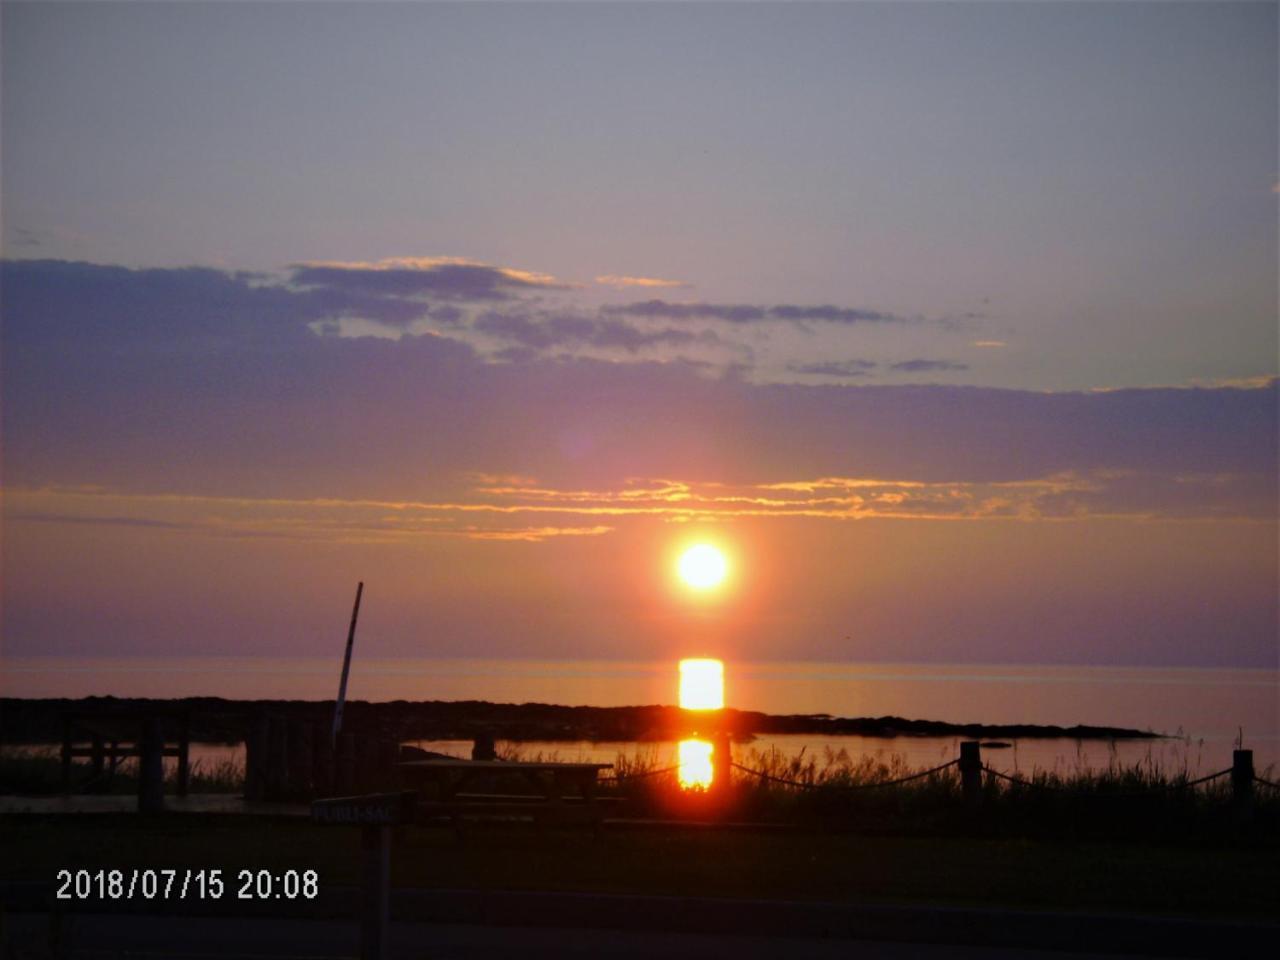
(563, 791)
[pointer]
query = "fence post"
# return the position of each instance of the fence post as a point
(346, 763)
(721, 764)
(971, 772)
(1242, 784)
(151, 767)
(98, 760)
(255, 758)
(184, 754)
(300, 758)
(323, 764)
(375, 843)
(66, 755)
(277, 766)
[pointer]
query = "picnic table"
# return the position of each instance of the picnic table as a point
(564, 791)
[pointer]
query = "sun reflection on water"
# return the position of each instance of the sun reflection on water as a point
(695, 764)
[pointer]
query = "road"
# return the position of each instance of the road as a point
(101, 936)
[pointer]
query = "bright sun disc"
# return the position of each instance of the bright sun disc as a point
(703, 567)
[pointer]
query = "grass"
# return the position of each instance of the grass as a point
(832, 791)
(38, 770)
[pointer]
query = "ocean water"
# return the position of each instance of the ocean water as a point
(1203, 711)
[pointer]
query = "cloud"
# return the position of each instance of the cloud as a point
(494, 509)
(990, 344)
(623, 282)
(543, 331)
(199, 381)
(452, 278)
(923, 366)
(832, 314)
(750, 313)
(836, 368)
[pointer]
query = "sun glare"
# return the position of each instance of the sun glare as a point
(695, 768)
(701, 684)
(703, 567)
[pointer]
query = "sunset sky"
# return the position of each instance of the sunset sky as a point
(954, 325)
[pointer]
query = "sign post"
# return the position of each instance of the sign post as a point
(375, 814)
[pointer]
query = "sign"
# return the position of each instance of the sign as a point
(370, 810)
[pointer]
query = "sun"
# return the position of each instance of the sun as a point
(703, 567)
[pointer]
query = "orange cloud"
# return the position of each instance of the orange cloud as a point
(623, 282)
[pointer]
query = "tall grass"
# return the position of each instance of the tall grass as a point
(834, 790)
(38, 770)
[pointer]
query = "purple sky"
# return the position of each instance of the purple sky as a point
(954, 325)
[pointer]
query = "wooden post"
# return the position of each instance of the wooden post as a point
(184, 756)
(1242, 784)
(971, 772)
(66, 755)
(721, 760)
(482, 747)
(97, 758)
(277, 768)
(322, 770)
(151, 767)
(300, 759)
(388, 763)
(346, 763)
(375, 891)
(255, 758)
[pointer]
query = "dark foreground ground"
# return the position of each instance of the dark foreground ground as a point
(97, 936)
(507, 890)
(88, 937)
(1218, 878)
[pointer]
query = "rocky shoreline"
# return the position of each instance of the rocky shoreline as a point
(214, 719)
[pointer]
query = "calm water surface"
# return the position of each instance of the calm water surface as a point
(1206, 709)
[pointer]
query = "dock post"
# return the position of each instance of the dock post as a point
(184, 755)
(255, 758)
(98, 759)
(322, 770)
(151, 767)
(971, 772)
(301, 759)
(346, 763)
(375, 878)
(66, 755)
(1242, 784)
(277, 766)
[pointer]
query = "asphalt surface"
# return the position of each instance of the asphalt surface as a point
(100, 936)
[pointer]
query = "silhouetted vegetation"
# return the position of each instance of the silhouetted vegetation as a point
(38, 770)
(216, 720)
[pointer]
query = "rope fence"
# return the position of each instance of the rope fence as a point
(809, 785)
(1031, 784)
(620, 777)
(767, 777)
(971, 769)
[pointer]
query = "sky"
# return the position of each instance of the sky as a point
(953, 324)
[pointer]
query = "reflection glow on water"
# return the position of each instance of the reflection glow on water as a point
(695, 764)
(1208, 705)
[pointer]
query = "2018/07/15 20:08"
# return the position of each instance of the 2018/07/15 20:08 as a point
(164, 884)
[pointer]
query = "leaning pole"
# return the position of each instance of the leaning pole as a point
(346, 665)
